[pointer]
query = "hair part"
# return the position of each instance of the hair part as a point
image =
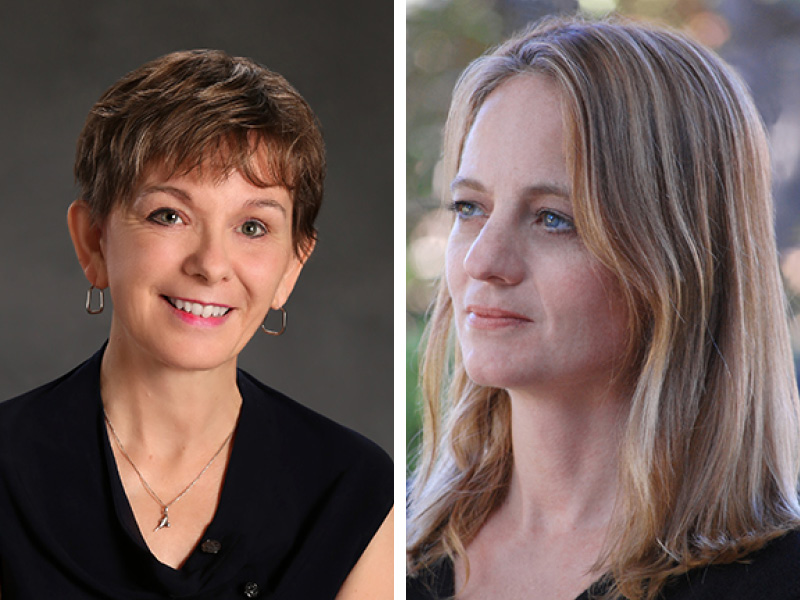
(670, 181)
(206, 110)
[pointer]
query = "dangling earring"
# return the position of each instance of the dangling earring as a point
(283, 323)
(101, 298)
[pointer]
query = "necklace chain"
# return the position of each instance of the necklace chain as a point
(164, 521)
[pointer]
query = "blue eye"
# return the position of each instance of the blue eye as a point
(466, 210)
(165, 216)
(553, 221)
(253, 229)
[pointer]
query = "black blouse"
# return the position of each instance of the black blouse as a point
(302, 498)
(772, 573)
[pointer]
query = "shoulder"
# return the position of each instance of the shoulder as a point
(329, 487)
(30, 399)
(52, 406)
(771, 573)
(310, 439)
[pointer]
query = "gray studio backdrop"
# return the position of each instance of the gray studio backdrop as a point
(58, 57)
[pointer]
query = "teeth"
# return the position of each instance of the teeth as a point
(198, 310)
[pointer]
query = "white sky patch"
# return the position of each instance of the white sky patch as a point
(598, 8)
(785, 138)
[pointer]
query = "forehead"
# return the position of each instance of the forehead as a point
(519, 129)
(255, 164)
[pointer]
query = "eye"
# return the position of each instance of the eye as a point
(165, 216)
(253, 228)
(466, 210)
(555, 222)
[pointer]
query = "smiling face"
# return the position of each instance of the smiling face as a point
(194, 265)
(534, 310)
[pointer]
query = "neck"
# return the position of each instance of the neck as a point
(565, 461)
(163, 409)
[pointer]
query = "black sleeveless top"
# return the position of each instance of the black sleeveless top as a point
(302, 498)
(771, 573)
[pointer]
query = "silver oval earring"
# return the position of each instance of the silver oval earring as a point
(101, 301)
(283, 323)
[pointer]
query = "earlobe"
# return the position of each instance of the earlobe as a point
(86, 238)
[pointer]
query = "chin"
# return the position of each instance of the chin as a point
(197, 358)
(502, 372)
(495, 376)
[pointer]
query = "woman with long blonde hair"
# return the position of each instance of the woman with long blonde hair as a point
(610, 401)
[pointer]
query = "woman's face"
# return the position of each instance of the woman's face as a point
(533, 309)
(194, 265)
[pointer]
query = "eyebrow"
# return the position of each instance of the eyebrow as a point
(538, 189)
(167, 189)
(182, 195)
(266, 203)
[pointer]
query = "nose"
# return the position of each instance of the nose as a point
(495, 255)
(209, 259)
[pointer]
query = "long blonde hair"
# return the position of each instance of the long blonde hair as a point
(670, 177)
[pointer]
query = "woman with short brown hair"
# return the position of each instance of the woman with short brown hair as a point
(156, 468)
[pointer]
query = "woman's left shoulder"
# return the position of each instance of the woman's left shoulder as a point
(305, 432)
(770, 573)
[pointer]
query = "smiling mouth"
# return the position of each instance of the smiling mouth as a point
(205, 311)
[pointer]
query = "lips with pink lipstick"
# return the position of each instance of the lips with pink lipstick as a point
(490, 317)
(197, 309)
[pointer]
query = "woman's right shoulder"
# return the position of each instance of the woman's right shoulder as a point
(50, 405)
(27, 408)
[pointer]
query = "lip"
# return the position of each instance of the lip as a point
(197, 320)
(491, 317)
(195, 301)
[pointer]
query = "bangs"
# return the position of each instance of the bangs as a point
(263, 161)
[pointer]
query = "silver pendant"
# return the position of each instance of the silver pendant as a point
(164, 522)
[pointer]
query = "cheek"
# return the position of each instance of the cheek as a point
(263, 272)
(605, 323)
(140, 260)
(580, 296)
(454, 275)
(125, 257)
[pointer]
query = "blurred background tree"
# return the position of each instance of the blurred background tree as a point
(760, 38)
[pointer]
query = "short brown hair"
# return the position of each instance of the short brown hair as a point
(188, 107)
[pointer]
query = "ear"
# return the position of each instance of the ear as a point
(291, 274)
(87, 238)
